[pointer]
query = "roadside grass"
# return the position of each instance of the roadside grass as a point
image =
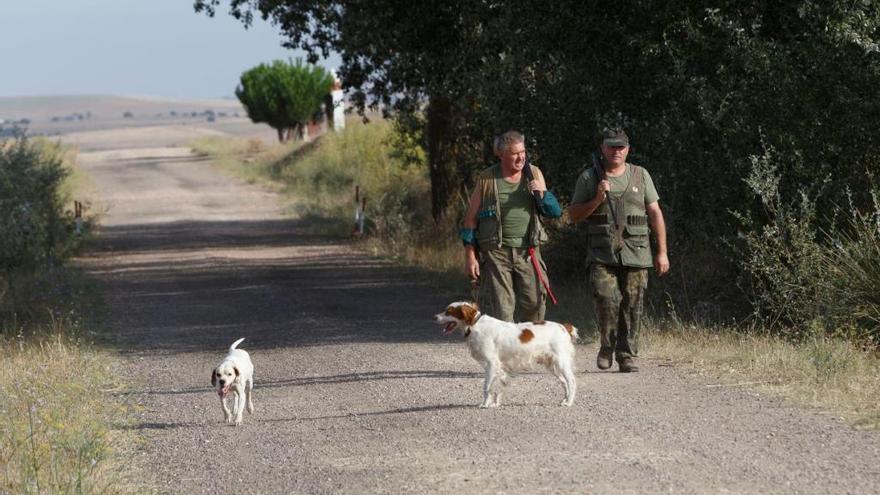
(60, 415)
(249, 159)
(819, 371)
(57, 432)
(64, 411)
(822, 372)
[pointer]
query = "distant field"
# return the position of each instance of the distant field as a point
(57, 115)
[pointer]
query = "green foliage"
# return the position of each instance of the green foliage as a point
(852, 270)
(781, 257)
(326, 178)
(283, 95)
(700, 89)
(36, 232)
(805, 279)
(32, 220)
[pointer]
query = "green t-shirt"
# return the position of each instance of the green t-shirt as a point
(516, 212)
(585, 189)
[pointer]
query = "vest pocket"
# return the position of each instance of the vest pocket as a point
(487, 230)
(636, 235)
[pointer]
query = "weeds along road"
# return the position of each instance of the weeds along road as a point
(356, 390)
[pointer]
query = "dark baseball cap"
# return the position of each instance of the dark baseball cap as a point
(615, 137)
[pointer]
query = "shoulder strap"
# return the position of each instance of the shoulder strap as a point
(637, 178)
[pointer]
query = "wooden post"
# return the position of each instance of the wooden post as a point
(77, 215)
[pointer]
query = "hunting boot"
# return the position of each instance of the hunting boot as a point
(603, 360)
(627, 365)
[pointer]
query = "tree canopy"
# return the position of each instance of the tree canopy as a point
(701, 88)
(283, 95)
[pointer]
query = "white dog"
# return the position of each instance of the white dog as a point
(503, 348)
(235, 373)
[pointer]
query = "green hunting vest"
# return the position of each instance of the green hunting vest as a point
(622, 240)
(489, 225)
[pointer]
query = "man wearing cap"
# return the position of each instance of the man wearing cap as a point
(620, 204)
(503, 225)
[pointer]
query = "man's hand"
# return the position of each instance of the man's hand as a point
(603, 188)
(471, 265)
(661, 263)
(537, 184)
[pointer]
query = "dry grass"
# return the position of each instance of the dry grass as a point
(247, 158)
(819, 372)
(56, 433)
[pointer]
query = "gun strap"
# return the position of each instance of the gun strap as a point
(540, 273)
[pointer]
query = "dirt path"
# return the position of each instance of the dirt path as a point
(357, 392)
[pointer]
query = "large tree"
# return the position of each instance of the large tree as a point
(702, 88)
(398, 55)
(284, 95)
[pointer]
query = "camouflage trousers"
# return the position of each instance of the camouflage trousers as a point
(619, 295)
(509, 286)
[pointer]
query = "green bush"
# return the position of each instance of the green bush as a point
(852, 270)
(35, 231)
(804, 268)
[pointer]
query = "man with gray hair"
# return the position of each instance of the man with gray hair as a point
(502, 233)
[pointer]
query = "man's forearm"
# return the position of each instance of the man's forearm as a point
(658, 228)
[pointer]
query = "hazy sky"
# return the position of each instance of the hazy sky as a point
(144, 47)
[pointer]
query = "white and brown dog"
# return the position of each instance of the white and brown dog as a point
(236, 374)
(504, 348)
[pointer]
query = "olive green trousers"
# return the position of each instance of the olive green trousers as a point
(509, 286)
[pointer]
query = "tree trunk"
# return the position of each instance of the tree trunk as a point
(280, 134)
(440, 155)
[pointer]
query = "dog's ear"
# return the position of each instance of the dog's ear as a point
(214, 378)
(236, 370)
(469, 313)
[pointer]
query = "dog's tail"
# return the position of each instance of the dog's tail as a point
(572, 330)
(235, 344)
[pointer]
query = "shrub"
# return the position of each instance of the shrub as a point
(35, 232)
(780, 257)
(806, 269)
(851, 263)
(360, 156)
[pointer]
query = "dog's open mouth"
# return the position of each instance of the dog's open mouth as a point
(223, 391)
(449, 327)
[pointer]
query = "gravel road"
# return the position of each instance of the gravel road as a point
(356, 391)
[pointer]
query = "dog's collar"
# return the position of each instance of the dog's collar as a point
(479, 315)
(468, 331)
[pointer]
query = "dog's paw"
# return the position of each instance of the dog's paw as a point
(566, 403)
(250, 408)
